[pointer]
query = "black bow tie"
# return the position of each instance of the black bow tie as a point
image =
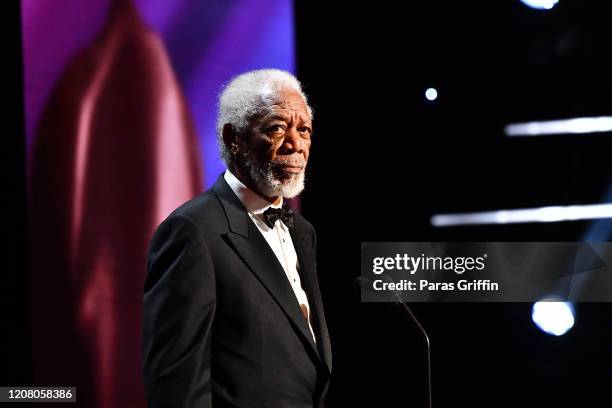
(271, 215)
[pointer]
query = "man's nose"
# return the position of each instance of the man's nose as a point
(293, 140)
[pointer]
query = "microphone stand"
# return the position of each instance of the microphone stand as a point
(365, 283)
(427, 346)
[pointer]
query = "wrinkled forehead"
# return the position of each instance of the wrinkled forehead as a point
(287, 101)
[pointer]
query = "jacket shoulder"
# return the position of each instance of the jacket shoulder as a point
(307, 224)
(204, 210)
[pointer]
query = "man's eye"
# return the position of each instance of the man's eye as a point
(276, 129)
(305, 130)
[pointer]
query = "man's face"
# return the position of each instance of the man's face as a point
(276, 150)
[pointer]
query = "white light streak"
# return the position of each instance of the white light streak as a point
(526, 215)
(560, 127)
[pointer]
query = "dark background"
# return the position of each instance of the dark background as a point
(14, 335)
(384, 160)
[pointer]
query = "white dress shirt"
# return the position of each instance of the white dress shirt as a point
(278, 238)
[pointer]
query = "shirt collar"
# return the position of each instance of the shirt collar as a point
(252, 201)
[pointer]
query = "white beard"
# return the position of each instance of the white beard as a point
(266, 182)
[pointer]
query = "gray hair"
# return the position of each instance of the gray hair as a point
(246, 95)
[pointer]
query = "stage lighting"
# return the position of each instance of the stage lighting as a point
(552, 317)
(593, 124)
(525, 215)
(431, 94)
(540, 4)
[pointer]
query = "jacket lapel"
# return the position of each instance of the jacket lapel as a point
(303, 244)
(252, 247)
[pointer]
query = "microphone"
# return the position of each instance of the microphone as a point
(365, 283)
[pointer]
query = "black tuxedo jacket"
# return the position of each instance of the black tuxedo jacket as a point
(221, 324)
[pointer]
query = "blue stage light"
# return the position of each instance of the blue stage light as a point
(554, 318)
(431, 94)
(540, 4)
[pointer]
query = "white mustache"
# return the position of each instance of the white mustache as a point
(294, 163)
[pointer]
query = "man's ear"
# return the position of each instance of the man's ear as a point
(230, 138)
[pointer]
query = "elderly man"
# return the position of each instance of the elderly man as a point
(232, 309)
